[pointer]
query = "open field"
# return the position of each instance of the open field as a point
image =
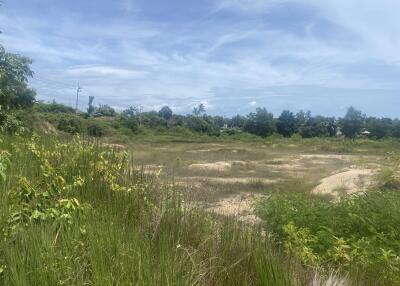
(84, 212)
(227, 177)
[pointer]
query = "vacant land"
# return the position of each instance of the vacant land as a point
(228, 177)
(266, 212)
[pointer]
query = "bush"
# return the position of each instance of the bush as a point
(198, 124)
(53, 107)
(95, 130)
(10, 123)
(359, 232)
(70, 124)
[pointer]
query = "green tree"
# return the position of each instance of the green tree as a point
(165, 112)
(379, 127)
(352, 123)
(318, 126)
(260, 123)
(238, 121)
(14, 73)
(91, 108)
(199, 110)
(104, 110)
(286, 124)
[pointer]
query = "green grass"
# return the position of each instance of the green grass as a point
(128, 229)
(358, 235)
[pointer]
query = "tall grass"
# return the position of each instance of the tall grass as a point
(77, 213)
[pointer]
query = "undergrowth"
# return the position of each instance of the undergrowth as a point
(77, 213)
(359, 236)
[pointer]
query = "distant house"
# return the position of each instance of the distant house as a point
(365, 133)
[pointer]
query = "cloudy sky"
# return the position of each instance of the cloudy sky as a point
(231, 55)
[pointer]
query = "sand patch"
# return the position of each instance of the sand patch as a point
(201, 151)
(327, 156)
(220, 166)
(244, 180)
(349, 181)
(151, 169)
(238, 206)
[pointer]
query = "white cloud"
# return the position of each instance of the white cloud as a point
(154, 63)
(247, 6)
(105, 72)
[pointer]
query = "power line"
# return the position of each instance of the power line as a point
(78, 90)
(53, 83)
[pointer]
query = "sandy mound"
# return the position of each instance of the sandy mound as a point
(150, 169)
(239, 206)
(349, 181)
(201, 151)
(220, 166)
(217, 166)
(327, 156)
(245, 180)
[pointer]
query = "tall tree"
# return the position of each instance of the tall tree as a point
(352, 123)
(91, 108)
(14, 73)
(199, 110)
(260, 123)
(286, 124)
(165, 112)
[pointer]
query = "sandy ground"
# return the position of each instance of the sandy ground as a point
(348, 181)
(241, 180)
(239, 206)
(228, 178)
(220, 166)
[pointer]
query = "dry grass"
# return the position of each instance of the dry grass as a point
(221, 172)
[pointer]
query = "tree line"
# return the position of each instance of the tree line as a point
(15, 94)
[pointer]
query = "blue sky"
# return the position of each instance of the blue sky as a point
(230, 55)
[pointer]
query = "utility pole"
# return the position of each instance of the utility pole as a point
(78, 90)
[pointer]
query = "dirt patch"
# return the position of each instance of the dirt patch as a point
(220, 166)
(151, 169)
(117, 147)
(349, 181)
(47, 128)
(245, 180)
(239, 206)
(201, 151)
(327, 156)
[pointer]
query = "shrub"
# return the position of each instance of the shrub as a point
(70, 123)
(359, 231)
(95, 130)
(53, 107)
(10, 123)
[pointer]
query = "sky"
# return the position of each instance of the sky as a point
(231, 55)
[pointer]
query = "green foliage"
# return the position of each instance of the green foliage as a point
(104, 110)
(81, 214)
(318, 126)
(91, 108)
(201, 125)
(379, 127)
(70, 123)
(261, 123)
(14, 73)
(53, 107)
(286, 124)
(359, 231)
(11, 123)
(95, 130)
(165, 112)
(199, 110)
(352, 123)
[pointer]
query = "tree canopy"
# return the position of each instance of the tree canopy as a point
(14, 73)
